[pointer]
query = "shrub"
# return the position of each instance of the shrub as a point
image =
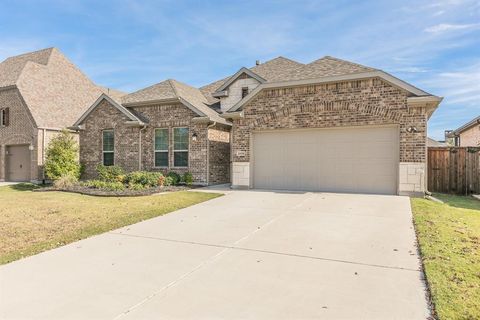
(161, 180)
(62, 157)
(175, 177)
(168, 181)
(104, 185)
(188, 178)
(144, 178)
(136, 186)
(65, 182)
(110, 173)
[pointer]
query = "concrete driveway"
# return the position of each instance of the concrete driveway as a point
(247, 255)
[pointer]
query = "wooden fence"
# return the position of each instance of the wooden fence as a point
(454, 170)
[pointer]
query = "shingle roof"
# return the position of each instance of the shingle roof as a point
(277, 69)
(56, 92)
(434, 143)
(283, 69)
(173, 89)
(11, 68)
(326, 66)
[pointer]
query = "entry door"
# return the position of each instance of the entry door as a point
(18, 163)
(357, 160)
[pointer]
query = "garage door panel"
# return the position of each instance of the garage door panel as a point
(339, 160)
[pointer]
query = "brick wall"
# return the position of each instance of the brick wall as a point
(470, 137)
(21, 130)
(105, 116)
(344, 104)
(355, 103)
(219, 155)
(167, 116)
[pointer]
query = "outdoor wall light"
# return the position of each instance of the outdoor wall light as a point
(412, 129)
(30, 147)
(194, 136)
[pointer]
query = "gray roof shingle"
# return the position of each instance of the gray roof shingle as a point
(173, 89)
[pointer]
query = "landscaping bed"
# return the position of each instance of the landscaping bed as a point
(82, 189)
(449, 238)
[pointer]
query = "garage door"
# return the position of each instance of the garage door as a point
(358, 160)
(18, 163)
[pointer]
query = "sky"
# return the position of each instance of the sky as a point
(128, 45)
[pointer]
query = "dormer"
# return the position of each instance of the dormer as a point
(237, 87)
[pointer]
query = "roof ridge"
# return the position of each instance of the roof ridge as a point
(343, 60)
(171, 82)
(27, 53)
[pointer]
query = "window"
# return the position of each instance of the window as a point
(244, 92)
(108, 147)
(4, 117)
(180, 147)
(161, 147)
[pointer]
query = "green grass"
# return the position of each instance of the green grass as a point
(449, 238)
(32, 222)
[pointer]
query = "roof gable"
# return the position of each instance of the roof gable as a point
(237, 74)
(468, 125)
(116, 105)
(173, 90)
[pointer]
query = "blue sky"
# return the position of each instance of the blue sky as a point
(128, 45)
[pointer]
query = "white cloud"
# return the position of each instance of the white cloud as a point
(445, 27)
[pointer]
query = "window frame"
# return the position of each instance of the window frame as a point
(3, 113)
(183, 150)
(164, 151)
(247, 92)
(103, 146)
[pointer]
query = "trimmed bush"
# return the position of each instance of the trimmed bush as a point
(188, 178)
(136, 186)
(110, 173)
(65, 182)
(144, 178)
(168, 181)
(175, 177)
(104, 185)
(62, 157)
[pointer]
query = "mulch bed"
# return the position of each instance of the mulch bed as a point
(124, 193)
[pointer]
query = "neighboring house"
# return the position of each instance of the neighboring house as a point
(40, 94)
(467, 135)
(330, 125)
(434, 143)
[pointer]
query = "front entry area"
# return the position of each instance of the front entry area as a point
(352, 160)
(17, 163)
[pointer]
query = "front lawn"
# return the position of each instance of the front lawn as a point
(449, 238)
(32, 222)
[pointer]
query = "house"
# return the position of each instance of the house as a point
(434, 143)
(467, 135)
(41, 93)
(329, 125)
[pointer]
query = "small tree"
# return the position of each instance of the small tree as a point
(62, 157)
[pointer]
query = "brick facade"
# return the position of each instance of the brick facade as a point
(127, 139)
(344, 104)
(20, 131)
(470, 137)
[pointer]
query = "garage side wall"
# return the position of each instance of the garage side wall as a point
(20, 131)
(345, 104)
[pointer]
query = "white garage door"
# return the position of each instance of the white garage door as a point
(358, 160)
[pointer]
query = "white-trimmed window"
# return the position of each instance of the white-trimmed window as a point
(161, 148)
(108, 147)
(180, 147)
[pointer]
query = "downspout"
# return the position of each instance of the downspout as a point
(208, 152)
(140, 147)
